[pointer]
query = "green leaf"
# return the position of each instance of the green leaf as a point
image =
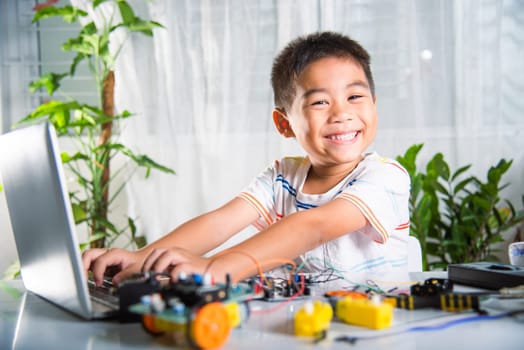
(140, 241)
(433, 247)
(88, 29)
(126, 12)
(438, 167)
(9, 289)
(140, 159)
(79, 214)
(441, 188)
(67, 158)
(96, 237)
(142, 26)
(85, 44)
(68, 13)
(96, 3)
(56, 112)
(76, 61)
(462, 184)
(12, 272)
(49, 81)
(483, 203)
(106, 224)
(132, 226)
(495, 173)
(408, 161)
(66, 115)
(460, 171)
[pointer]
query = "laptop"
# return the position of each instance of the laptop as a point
(42, 222)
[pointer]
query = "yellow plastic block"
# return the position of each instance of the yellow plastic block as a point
(365, 312)
(313, 318)
(233, 312)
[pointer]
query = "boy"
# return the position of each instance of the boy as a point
(335, 208)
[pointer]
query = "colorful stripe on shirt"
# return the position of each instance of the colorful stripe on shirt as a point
(403, 226)
(373, 264)
(258, 206)
(286, 185)
(293, 192)
(368, 213)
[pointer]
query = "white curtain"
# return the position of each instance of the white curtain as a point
(449, 74)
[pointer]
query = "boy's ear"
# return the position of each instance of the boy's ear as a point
(282, 123)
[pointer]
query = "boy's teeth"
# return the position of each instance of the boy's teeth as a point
(343, 137)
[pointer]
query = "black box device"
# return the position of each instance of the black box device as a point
(487, 275)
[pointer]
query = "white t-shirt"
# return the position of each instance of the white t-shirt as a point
(378, 186)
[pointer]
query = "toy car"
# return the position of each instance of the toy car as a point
(194, 310)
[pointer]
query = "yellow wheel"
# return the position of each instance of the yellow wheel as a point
(149, 324)
(210, 327)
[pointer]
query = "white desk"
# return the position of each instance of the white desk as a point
(28, 322)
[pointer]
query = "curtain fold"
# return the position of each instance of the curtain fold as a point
(449, 74)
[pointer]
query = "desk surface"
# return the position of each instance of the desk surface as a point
(28, 322)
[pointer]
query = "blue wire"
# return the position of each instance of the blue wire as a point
(352, 340)
(457, 322)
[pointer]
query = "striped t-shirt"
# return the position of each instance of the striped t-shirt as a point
(378, 186)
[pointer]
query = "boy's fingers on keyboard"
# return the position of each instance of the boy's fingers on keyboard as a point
(109, 259)
(89, 256)
(167, 261)
(112, 270)
(151, 259)
(126, 274)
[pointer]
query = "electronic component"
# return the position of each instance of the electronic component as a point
(370, 313)
(447, 302)
(486, 275)
(130, 292)
(432, 286)
(279, 289)
(193, 310)
(313, 318)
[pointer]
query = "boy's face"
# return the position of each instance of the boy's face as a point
(333, 115)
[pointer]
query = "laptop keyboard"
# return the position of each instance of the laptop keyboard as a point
(104, 294)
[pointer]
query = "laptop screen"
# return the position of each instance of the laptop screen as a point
(41, 217)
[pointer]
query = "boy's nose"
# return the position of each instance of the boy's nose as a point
(341, 112)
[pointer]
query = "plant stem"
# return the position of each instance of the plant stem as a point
(104, 138)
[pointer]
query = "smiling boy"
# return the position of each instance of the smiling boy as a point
(337, 207)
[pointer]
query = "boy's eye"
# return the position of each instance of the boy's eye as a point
(354, 97)
(321, 102)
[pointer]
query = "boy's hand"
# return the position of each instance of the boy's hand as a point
(175, 261)
(99, 261)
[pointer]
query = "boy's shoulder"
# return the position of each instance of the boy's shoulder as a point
(373, 161)
(292, 162)
(377, 169)
(294, 159)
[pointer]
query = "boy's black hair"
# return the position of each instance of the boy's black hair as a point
(302, 51)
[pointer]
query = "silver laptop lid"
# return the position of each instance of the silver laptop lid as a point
(41, 217)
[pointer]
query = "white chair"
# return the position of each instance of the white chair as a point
(414, 255)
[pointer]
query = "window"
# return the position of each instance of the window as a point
(29, 50)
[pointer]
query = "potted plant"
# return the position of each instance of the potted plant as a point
(456, 217)
(91, 126)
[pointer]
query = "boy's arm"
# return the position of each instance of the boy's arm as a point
(288, 238)
(207, 231)
(197, 236)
